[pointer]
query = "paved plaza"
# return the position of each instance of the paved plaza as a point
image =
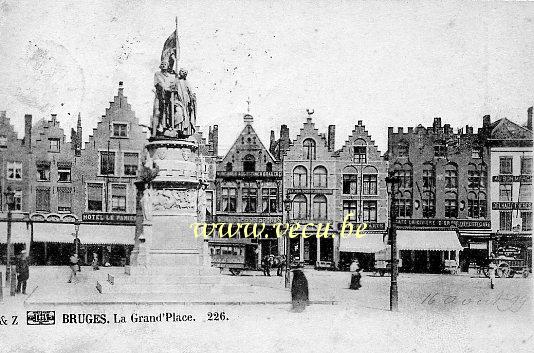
(437, 313)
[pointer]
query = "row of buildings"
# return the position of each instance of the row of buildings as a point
(462, 193)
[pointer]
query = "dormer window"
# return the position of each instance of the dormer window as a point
(120, 130)
(360, 154)
(308, 149)
(249, 163)
(54, 145)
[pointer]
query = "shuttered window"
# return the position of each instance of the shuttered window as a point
(118, 197)
(42, 199)
(64, 199)
(94, 197)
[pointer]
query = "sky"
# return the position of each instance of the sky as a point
(386, 63)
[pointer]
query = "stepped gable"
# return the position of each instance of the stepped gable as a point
(309, 130)
(8, 130)
(359, 133)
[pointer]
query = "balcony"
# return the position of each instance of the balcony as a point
(249, 175)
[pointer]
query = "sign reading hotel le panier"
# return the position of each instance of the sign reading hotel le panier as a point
(113, 218)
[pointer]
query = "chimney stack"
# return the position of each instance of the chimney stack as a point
(272, 142)
(284, 140)
(437, 123)
(529, 118)
(78, 141)
(486, 121)
(28, 132)
(54, 119)
(215, 140)
(331, 137)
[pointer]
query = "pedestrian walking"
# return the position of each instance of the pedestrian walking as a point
(355, 280)
(73, 265)
(23, 271)
(299, 291)
(266, 265)
(94, 263)
(492, 269)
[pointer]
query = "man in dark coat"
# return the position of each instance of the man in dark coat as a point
(23, 271)
(299, 291)
(355, 279)
(266, 265)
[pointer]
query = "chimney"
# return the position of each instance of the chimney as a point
(28, 132)
(284, 140)
(437, 124)
(54, 119)
(331, 137)
(529, 118)
(486, 121)
(272, 142)
(121, 88)
(78, 140)
(215, 140)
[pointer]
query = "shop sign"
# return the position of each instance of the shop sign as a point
(444, 223)
(508, 251)
(250, 219)
(370, 226)
(112, 218)
(512, 178)
(511, 205)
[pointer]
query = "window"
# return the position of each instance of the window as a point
(476, 176)
(54, 145)
(350, 181)
(43, 171)
(269, 167)
(308, 149)
(403, 203)
(370, 181)
(300, 207)
(14, 170)
(42, 199)
(505, 192)
(249, 163)
(228, 167)
(429, 176)
(64, 174)
(209, 205)
(402, 149)
(350, 207)
(429, 204)
(118, 197)
(476, 153)
(505, 165)
(107, 163)
(451, 205)
(269, 200)
(526, 221)
(526, 165)
(360, 154)
(319, 207)
(505, 220)
(229, 199)
(319, 177)
(476, 205)
(404, 174)
(94, 197)
(131, 162)
(451, 176)
(64, 199)
(3, 141)
(249, 197)
(18, 201)
(300, 177)
(440, 149)
(120, 130)
(369, 211)
(525, 192)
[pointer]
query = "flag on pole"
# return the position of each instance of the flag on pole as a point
(171, 49)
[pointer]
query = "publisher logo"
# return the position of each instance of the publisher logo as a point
(41, 317)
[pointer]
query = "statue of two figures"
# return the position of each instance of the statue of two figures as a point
(175, 106)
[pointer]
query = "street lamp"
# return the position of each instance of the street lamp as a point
(10, 202)
(391, 182)
(287, 208)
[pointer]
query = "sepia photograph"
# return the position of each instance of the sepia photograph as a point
(266, 176)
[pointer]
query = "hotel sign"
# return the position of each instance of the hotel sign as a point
(113, 218)
(512, 178)
(370, 226)
(511, 206)
(445, 223)
(249, 219)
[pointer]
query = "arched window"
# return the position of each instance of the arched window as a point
(451, 176)
(429, 204)
(483, 174)
(350, 180)
(476, 205)
(451, 205)
(300, 177)
(440, 148)
(403, 203)
(249, 163)
(476, 176)
(429, 175)
(228, 167)
(319, 177)
(300, 207)
(308, 149)
(370, 181)
(269, 167)
(359, 151)
(319, 207)
(404, 173)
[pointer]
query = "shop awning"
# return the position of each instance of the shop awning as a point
(106, 234)
(20, 232)
(428, 240)
(53, 232)
(369, 243)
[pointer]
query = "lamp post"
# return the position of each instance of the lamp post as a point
(391, 183)
(287, 208)
(10, 201)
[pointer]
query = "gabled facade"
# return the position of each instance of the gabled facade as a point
(309, 168)
(249, 186)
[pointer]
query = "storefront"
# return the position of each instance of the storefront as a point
(426, 251)
(362, 249)
(20, 238)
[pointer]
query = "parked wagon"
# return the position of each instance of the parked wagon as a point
(236, 255)
(383, 261)
(508, 263)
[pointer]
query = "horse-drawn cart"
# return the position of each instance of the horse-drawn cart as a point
(508, 263)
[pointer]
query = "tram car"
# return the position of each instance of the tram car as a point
(236, 255)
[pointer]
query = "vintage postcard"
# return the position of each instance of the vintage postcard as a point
(266, 176)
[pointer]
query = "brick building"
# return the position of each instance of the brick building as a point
(442, 196)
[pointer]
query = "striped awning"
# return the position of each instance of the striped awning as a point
(369, 243)
(440, 240)
(20, 232)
